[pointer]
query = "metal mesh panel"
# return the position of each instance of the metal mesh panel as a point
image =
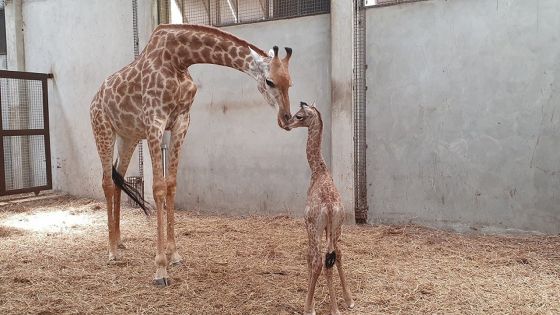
(359, 112)
(138, 183)
(24, 135)
(229, 12)
(22, 104)
(25, 161)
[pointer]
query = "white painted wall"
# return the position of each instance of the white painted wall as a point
(81, 43)
(236, 159)
(463, 126)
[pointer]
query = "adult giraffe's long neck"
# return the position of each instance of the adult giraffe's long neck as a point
(313, 150)
(195, 44)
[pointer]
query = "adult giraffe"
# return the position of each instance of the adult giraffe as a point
(154, 93)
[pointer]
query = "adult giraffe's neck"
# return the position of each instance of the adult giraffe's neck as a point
(313, 150)
(194, 44)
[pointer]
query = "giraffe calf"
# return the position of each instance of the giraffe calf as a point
(323, 213)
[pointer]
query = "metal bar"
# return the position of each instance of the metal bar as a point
(2, 166)
(24, 75)
(218, 13)
(23, 132)
(389, 3)
(359, 112)
(47, 137)
(26, 190)
(207, 7)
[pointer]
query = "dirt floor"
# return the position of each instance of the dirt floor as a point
(53, 260)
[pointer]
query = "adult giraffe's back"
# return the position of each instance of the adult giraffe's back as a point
(154, 93)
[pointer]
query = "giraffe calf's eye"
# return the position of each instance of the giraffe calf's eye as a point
(298, 117)
(270, 83)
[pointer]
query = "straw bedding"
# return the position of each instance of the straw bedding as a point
(53, 261)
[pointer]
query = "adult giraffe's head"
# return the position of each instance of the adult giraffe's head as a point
(273, 81)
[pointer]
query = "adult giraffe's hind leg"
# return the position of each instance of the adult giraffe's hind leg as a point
(105, 141)
(125, 149)
(177, 137)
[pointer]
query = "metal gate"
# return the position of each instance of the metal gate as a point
(25, 155)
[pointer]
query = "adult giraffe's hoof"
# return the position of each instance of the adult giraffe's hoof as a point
(350, 304)
(112, 258)
(163, 282)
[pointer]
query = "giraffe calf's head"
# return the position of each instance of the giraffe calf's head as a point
(273, 79)
(305, 117)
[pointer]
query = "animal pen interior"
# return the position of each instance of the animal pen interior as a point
(439, 128)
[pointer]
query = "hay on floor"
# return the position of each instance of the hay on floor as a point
(53, 260)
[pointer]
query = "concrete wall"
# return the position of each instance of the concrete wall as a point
(463, 129)
(81, 43)
(235, 159)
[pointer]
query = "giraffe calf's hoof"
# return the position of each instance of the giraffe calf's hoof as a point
(163, 282)
(350, 304)
(177, 263)
(121, 246)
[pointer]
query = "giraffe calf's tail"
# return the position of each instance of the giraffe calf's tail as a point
(128, 189)
(330, 259)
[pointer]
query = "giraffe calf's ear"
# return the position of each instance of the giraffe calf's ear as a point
(302, 104)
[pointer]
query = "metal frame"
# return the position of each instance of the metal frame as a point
(390, 3)
(43, 77)
(214, 16)
(359, 88)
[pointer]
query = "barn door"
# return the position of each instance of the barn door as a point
(25, 155)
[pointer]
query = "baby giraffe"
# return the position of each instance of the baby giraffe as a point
(323, 212)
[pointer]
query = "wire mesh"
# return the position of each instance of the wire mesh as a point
(230, 12)
(359, 111)
(22, 104)
(25, 162)
(24, 136)
(136, 181)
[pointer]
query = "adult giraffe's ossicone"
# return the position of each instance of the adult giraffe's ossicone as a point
(154, 93)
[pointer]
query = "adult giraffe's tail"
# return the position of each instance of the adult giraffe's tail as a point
(128, 189)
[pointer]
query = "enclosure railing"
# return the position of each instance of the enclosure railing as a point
(231, 12)
(25, 155)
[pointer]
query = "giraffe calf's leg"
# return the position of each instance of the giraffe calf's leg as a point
(332, 293)
(316, 266)
(347, 296)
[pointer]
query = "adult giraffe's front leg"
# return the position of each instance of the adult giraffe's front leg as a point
(155, 136)
(178, 134)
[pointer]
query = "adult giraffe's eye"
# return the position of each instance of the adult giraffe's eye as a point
(270, 83)
(298, 117)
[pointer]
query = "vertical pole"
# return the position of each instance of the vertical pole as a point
(2, 171)
(136, 53)
(359, 112)
(46, 134)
